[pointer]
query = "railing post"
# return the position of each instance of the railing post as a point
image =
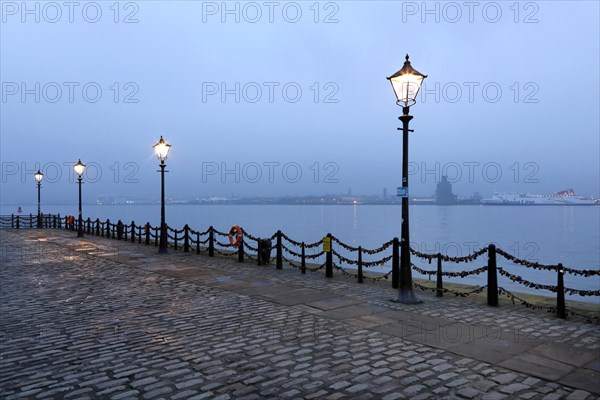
(31, 220)
(279, 251)
(18, 222)
(197, 242)
(492, 290)
(132, 232)
(54, 222)
(59, 221)
(360, 272)
(147, 229)
(186, 238)
(329, 259)
(259, 260)
(561, 311)
(156, 231)
(439, 291)
(241, 249)
(12, 220)
(303, 262)
(395, 263)
(175, 244)
(211, 241)
(97, 226)
(107, 229)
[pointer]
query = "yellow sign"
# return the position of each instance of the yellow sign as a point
(327, 244)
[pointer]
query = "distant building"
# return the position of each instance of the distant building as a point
(443, 193)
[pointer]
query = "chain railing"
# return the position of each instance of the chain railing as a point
(308, 256)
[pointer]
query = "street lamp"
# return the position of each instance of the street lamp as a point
(38, 177)
(406, 84)
(79, 168)
(162, 149)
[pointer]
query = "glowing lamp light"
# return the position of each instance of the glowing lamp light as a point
(162, 149)
(38, 176)
(79, 167)
(406, 84)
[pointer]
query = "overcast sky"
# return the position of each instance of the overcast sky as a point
(275, 98)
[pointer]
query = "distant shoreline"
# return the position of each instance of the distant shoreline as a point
(283, 203)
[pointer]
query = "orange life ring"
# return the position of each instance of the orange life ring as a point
(237, 231)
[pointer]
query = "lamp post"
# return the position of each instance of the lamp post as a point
(406, 84)
(162, 150)
(38, 177)
(79, 168)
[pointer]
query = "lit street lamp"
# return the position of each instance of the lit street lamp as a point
(79, 168)
(162, 149)
(38, 177)
(406, 84)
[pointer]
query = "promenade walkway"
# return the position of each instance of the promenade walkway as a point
(97, 318)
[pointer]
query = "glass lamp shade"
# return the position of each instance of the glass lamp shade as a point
(38, 176)
(79, 168)
(406, 84)
(162, 149)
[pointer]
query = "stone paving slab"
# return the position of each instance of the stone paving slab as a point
(97, 318)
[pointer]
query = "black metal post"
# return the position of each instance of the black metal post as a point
(132, 232)
(241, 249)
(39, 215)
(162, 248)
(186, 238)
(197, 243)
(303, 263)
(329, 259)
(279, 251)
(406, 294)
(492, 290)
(211, 242)
(561, 311)
(80, 218)
(395, 262)
(439, 292)
(360, 271)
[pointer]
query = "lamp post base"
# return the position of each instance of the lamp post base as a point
(407, 296)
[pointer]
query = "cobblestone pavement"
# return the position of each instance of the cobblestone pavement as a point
(98, 318)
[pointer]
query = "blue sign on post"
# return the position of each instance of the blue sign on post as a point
(402, 191)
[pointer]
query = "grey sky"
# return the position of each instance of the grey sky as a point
(540, 133)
